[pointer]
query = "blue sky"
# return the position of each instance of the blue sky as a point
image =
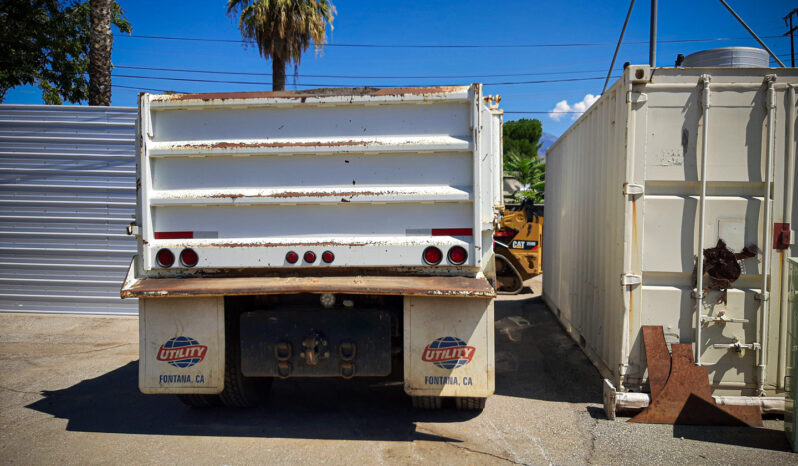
(434, 23)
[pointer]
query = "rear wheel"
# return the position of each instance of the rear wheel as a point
(427, 402)
(199, 401)
(239, 391)
(507, 276)
(470, 403)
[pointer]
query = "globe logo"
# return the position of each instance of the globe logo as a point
(448, 353)
(182, 352)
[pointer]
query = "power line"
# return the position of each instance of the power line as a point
(453, 46)
(266, 83)
(520, 112)
(242, 73)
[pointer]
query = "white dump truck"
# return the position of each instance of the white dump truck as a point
(321, 233)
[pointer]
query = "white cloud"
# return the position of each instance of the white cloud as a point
(562, 106)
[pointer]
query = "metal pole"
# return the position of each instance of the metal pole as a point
(752, 33)
(792, 42)
(652, 39)
(618, 47)
(702, 204)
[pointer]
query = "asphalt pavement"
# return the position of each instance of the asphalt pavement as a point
(68, 395)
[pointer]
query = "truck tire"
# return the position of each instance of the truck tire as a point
(200, 401)
(239, 391)
(470, 403)
(427, 402)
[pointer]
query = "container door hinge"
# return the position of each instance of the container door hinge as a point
(630, 189)
(631, 279)
(636, 97)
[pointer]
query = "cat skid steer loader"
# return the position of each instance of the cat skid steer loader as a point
(518, 246)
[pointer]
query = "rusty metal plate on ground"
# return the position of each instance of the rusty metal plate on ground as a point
(381, 285)
(657, 358)
(686, 397)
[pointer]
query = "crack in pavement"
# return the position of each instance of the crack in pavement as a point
(471, 450)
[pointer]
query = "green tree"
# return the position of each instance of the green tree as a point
(523, 136)
(530, 172)
(283, 29)
(521, 146)
(46, 43)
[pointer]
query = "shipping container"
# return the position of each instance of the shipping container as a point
(317, 233)
(669, 161)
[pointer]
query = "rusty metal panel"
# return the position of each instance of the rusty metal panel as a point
(624, 197)
(371, 174)
(67, 191)
(464, 287)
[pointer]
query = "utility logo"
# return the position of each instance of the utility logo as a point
(448, 353)
(182, 352)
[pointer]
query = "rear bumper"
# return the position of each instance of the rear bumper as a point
(400, 285)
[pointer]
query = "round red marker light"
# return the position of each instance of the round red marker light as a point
(188, 257)
(433, 255)
(310, 256)
(165, 258)
(327, 256)
(457, 255)
(291, 257)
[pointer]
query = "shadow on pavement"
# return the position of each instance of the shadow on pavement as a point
(308, 408)
(762, 438)
(536, 359)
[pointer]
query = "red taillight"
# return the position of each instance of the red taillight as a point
(188, 257)
(291, 257)
(165, 258)
(327, 256)
(457, 255)
(310, 257)
(432, 255)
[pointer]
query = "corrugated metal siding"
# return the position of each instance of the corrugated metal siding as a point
(584, 232)
(67, 191)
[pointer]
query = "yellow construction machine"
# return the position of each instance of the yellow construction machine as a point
(518, 246)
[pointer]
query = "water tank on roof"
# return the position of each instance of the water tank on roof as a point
(728, 57)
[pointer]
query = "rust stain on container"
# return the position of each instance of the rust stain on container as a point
(248, 145)
(303, 95)
(289, 194)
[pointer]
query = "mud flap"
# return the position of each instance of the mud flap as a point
(181, 345)
(448, 347)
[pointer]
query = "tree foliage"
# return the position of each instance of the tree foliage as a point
(523, 137)
(46, 43)
(521, 146)
(283, 29)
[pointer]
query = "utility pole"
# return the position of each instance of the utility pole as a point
(652, 39)
(791, 32)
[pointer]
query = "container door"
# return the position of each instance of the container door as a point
(670, 130)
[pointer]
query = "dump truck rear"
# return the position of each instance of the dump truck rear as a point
(325, 233)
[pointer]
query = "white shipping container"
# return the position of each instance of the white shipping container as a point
(627, 204)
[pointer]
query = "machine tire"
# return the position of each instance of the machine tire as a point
(470, 403)
(199, 401)
(239, 391)
(508, 279)
(427, 402)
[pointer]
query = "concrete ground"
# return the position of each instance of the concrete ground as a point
(68, 394)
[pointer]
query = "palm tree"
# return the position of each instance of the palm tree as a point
(283, 29)
(530, 172)
(100, 43)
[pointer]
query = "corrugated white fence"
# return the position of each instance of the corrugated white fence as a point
(67, 192)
